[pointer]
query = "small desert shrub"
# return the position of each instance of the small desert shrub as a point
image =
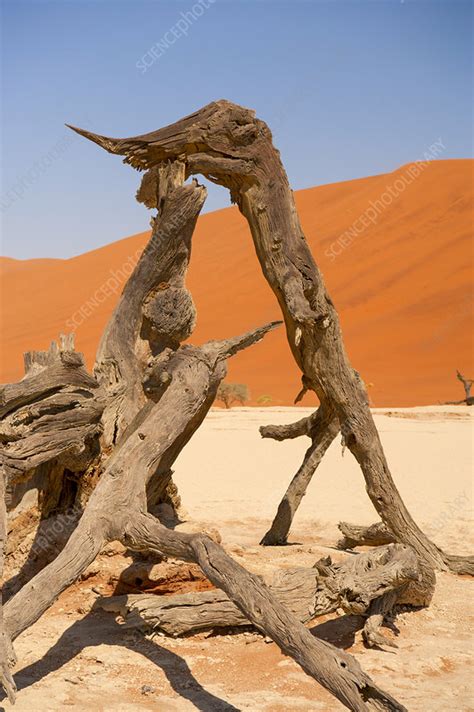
(229, 393)
(264, 399)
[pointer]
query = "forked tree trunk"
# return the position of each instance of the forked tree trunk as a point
(228, 145)
(322, 428)
(152, 395)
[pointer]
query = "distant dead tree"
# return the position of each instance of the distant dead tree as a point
(99, 448)
(229, 393)
(467, 384)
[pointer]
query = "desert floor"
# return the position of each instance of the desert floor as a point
(231, 479)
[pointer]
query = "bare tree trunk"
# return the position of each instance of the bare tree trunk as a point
(322, 428)
(7, 656)
(227, 144)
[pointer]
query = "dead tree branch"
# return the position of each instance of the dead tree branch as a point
(354, 535)
(322, 427)
(307, 593)
(229, 145)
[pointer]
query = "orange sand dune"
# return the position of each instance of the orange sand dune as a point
(402, 284)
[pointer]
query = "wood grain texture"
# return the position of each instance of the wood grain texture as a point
(230, 146)
(307, 593)
(150, 393)
(322, 428)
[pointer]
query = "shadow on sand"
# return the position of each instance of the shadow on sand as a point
(89, 632)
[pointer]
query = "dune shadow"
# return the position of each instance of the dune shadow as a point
(87, 632)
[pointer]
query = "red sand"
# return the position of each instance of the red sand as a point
(403, 288)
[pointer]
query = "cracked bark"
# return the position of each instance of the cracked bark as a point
(354, 585)
(153, 393)
(230, 146)
(322, 427)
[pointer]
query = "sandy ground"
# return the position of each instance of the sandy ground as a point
(229, 477)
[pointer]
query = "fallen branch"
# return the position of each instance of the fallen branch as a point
(377, 534)
(355, 535)
(307, 593)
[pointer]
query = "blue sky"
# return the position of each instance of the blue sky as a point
(349, 88)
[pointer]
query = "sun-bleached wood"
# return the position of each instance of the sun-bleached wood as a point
(322, 427)
(227, 143)
(352, 585)
(150, 393)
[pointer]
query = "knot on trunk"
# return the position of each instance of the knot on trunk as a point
(169, 313)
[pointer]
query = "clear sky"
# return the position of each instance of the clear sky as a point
(349, 89)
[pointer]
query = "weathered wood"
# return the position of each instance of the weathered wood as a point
(7, 656)
(155, 312)
(156, 436)
(377, 534)
(49, 424)
(66, 370)
(322, 428)
(355, 535)
(229, 145)
(378, 610)
(117, 510)
(334, 669)
(306, 593)
(290, 431)
(64, 426)
(52, 414)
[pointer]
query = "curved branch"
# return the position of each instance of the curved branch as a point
(322, 427)
(307, 594)
(258, 183)
(334, 669)
(289, 431)
(355, 535)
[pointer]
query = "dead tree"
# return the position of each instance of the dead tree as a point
(322, 427)
(229, 393)
(353, 585)
(467, 385)
(128, 423)
(230, 146)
